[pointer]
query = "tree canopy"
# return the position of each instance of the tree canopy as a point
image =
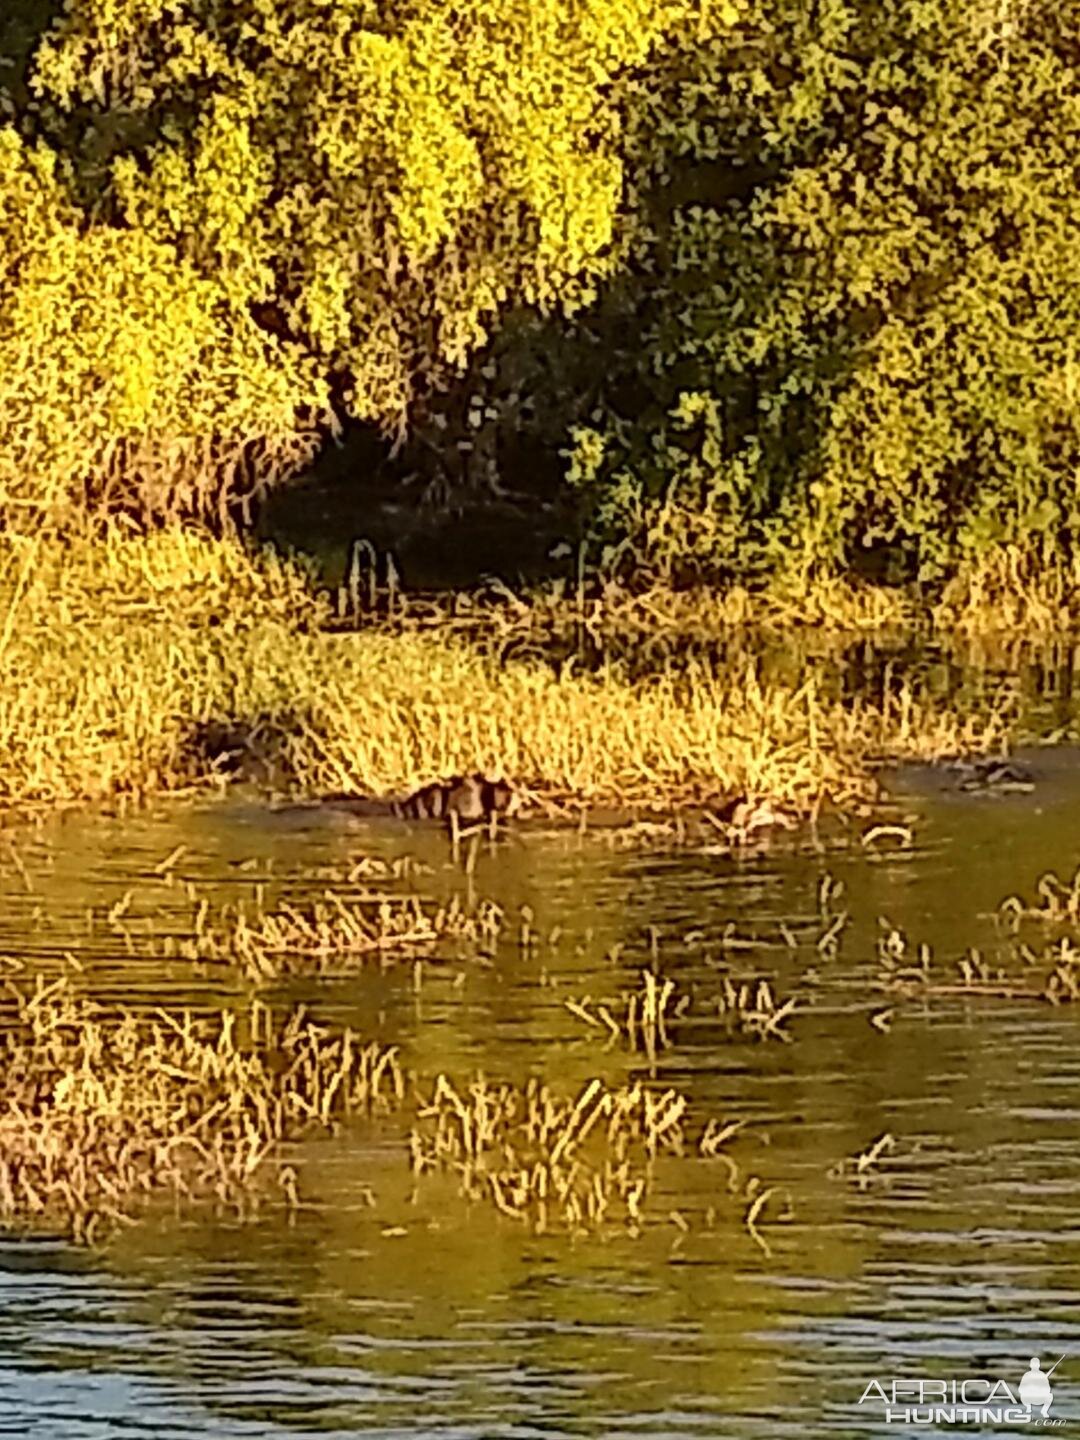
(803, 275)
(299, 201)
(861, 342)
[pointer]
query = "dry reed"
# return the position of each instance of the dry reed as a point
(168, 659)
(1051, 975)
(102, 1110)
(639, 1018)
(340, 933)
(642, 1019)
(865, 1166)
(576, 1163)
(752, 1006)
(1057, 902)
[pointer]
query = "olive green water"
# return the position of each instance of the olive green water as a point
(384, 1310)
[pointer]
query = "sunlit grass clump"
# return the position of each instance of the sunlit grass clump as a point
(339, 933)
(1051, 973)
(644, 1019)
(1011, 590)
(101, 1111)
(1057, 902)
(550, 1160)
(115, 651)
(134, 663)
(580, 1163)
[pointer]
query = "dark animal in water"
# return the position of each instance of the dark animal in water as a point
(466, 799)
(465, 802)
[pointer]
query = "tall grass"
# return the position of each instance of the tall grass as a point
(136, 662)
(100, 1110)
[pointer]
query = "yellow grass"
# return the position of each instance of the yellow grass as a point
(100, 1110)
(551, 1160)
(141, 662)
(336, 934)
(1012, 590)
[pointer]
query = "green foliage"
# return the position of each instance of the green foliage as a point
(127, 380)
(376, 179)
(804, 274)
(858, 304)
(233, 211)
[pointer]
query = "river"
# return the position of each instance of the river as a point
(390, 1307)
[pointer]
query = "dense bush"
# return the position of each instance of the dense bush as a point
(288, 202)
(859, 304)
(127, 379)
(801, 278)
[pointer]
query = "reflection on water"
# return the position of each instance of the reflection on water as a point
(387, 1310)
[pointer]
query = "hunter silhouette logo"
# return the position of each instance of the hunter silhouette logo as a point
(975, 1399)
(1035, 1391)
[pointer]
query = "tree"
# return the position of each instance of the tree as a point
(859, 342)
(372, 180)
(127, 380)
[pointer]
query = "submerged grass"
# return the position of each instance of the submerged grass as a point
(644, 1020)
(102, 1110)
(1051, 974)
(579, 1162)
(554, 1161)
(339, 933)
(266, 938)
(640, 1018)
(169, 659)
(1057, 902)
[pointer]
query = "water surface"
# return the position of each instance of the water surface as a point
(387, 1309)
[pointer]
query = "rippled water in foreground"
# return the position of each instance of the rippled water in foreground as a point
(378, 1311)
